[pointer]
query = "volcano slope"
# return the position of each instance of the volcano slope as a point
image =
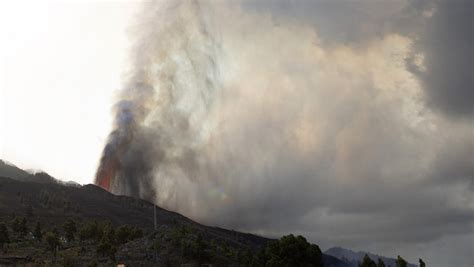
(49, 222)
(53, 204)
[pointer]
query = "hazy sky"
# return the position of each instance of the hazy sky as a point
(61, 62)
(350, 122)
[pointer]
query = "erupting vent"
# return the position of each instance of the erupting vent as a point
(106, 173)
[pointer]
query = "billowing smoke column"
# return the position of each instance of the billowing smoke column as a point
(252, 118)
(160, 113)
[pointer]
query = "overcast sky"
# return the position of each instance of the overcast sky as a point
(350, 122)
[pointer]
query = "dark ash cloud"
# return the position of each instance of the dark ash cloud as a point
(447, 45)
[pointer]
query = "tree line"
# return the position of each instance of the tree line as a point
(177, 244)
(103, 234)
(400, 262)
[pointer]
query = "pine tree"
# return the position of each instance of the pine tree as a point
(422, 263)
(23, 227)
(52, 241)
(401, 262)
(16, 224)
(367, 262)
(380, 263)
(69, 230)
(4, 238)
(38, 235)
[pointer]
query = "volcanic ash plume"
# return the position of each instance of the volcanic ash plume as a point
(160, 114)
(273, 118)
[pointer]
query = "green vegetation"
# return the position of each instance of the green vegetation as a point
(63, 245)
(37, 233)
(127, 233)
(422, 263)
(367, 262)
(290, 250)
(19, 226)
(293, 251)
(69, 230)
(106, 248)
(4, 237)
(100, 242)
(401, 262)
(52, 242)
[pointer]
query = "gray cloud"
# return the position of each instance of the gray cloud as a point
(346, 22)
(447, 46)
(273, 117)
(445, 38)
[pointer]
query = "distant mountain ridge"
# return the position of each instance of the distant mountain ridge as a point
(353, 258)
(11, 171)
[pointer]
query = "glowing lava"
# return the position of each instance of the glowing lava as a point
(106, 172)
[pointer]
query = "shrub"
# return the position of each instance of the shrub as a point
(293, 251)
(37, 234)
(4, 238)
(69, 230)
